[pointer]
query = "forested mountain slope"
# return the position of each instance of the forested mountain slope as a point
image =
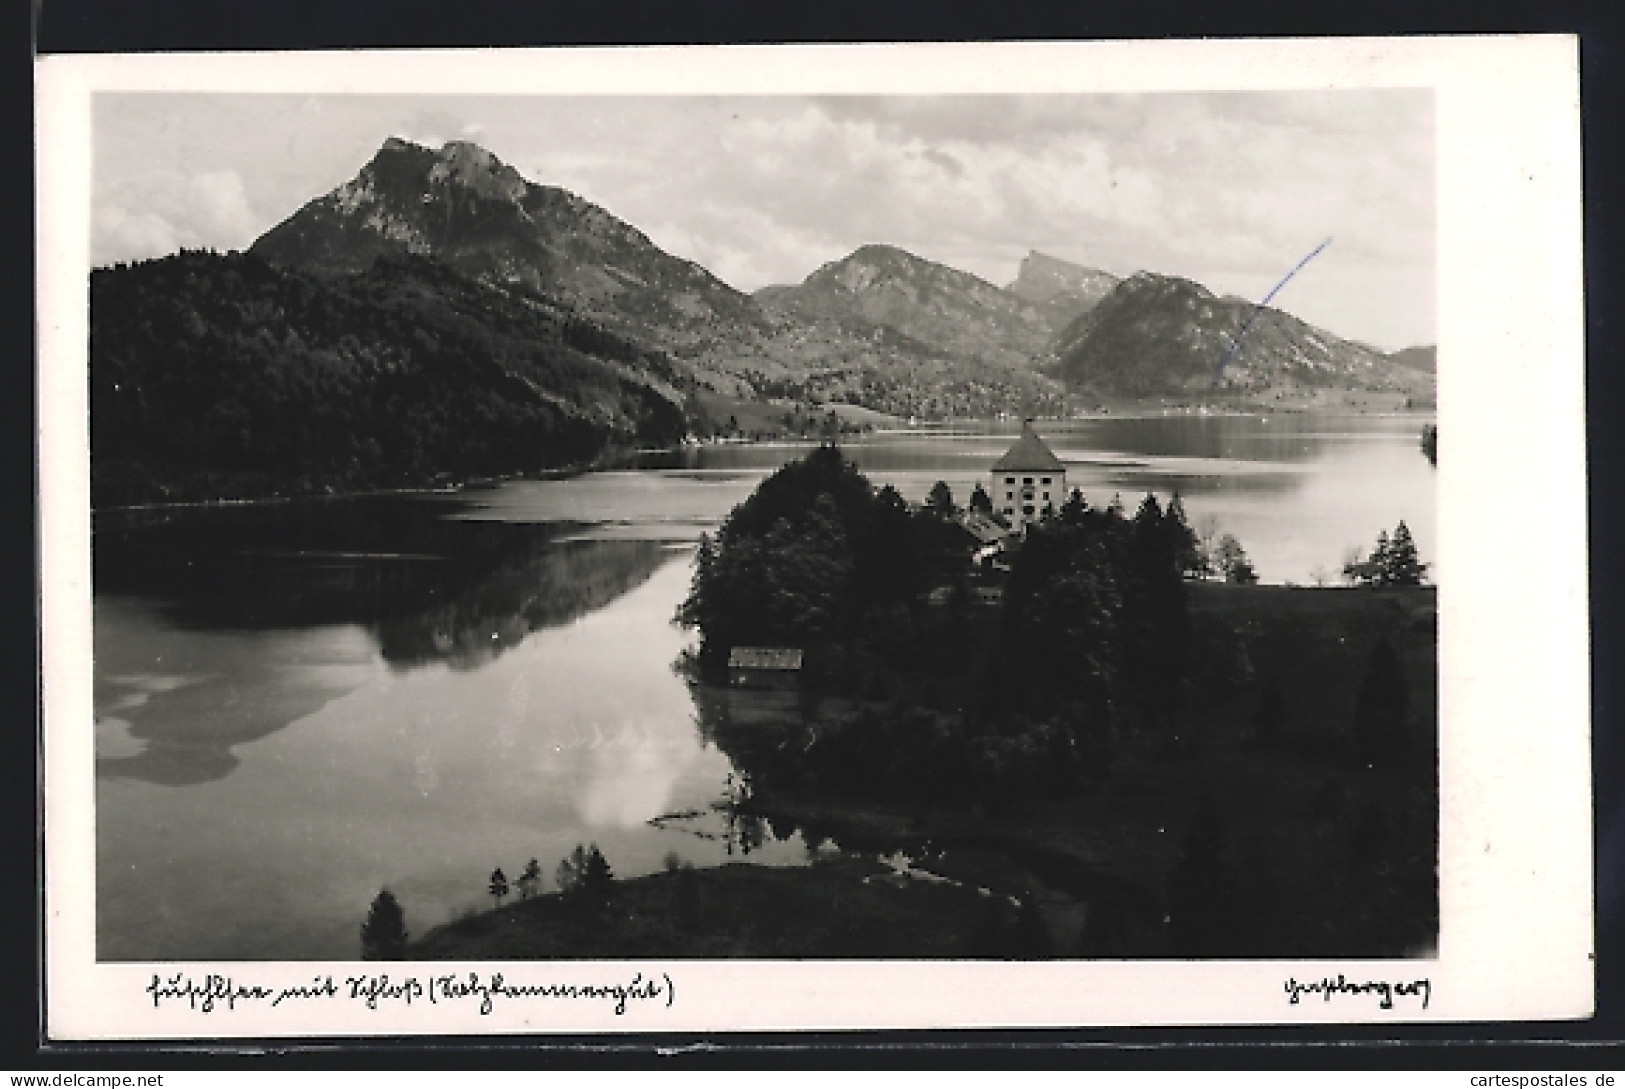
(221, 375)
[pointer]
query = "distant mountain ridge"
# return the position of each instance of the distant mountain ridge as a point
(1167, 335)
(1061, 290)
(463, 206)
(1420, 358)
(945, 309)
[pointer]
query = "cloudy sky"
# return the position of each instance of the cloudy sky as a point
(1231, 189)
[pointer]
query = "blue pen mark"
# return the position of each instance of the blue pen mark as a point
(1234, 344)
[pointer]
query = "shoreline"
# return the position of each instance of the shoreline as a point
(453, 488)
(609, 461)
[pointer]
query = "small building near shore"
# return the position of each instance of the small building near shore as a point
(764, 667)
(1029, 481)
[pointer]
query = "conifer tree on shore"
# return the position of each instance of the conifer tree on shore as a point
(383, 934)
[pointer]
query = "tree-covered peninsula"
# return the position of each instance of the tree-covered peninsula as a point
(946, 679)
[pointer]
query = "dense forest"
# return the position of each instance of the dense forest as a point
(951, 698)
(223, 376)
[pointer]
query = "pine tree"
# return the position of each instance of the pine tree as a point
(1232, 562)
(980, 502)
(571, 870)
(1377, 562)
(597, 880)
(940, 501)
(383, 934)
(498, 887)
(1148, 516)
(1182, 540)
(530, 880)
(1075, 508)
(1369, 571)
(1401, 567)
(1392, 563)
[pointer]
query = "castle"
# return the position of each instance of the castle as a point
(1029, 481)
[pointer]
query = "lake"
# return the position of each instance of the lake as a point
(298, 704)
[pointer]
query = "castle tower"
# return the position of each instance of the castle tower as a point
(1029, 481)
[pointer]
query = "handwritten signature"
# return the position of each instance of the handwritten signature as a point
(1327, 987)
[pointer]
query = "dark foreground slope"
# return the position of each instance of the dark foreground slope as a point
(223, 376)
(837, 908)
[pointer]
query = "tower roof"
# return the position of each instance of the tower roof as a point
(1029, 454)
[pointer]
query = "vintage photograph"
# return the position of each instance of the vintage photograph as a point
(886, 526)
(714, 526)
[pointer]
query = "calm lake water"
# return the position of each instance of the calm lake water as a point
(300, 704)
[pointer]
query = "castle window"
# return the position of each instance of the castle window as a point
(1009, 480)
(1026, 480)
(1009, 495)
(1027, 509)
(1046, 496)
(1046, 481)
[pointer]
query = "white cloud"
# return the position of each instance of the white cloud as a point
(120, 235)
(223, 211)
(210, 210)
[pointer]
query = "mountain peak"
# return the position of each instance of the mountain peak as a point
(1144, 282)
(466, 208)
(877, 263)
(880, 287)
(881, 251)
(1061, 289)
(473, 167)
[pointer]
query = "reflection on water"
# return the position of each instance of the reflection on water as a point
(173, 704)
(432, 586)
(421, 780)
(299, 704)
(262, 620)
